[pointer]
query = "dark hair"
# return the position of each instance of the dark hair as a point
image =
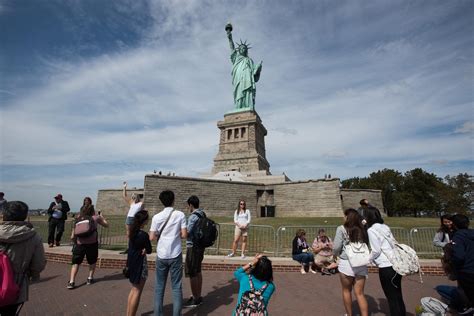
(447, 262)
(167, 198)
(238, 205)
(263, 269)
(354, 227)
(15, 211)
(194, 201)
(372, 215)
(138, 220)
(300, 232)
(442, 227)
(460, 221)
(363, 202)
(87, 210)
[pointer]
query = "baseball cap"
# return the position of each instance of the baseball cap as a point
(59, 196)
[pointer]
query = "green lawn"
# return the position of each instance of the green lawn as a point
(405, 222)
(271, 235)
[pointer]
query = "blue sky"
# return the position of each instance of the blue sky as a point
(96, 92)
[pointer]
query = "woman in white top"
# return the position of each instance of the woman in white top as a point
(445, 232)
(391, 281)
(242, 222)
(135, 206)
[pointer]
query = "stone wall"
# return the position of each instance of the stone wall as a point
(312, 198)
(306, 198)
(110, 201)
(351, 198)
(217, 197)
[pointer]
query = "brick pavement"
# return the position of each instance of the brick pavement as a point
(295, 294)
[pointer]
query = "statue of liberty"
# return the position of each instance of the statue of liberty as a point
(244, 74)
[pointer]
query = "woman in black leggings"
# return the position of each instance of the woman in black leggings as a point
(391, 281)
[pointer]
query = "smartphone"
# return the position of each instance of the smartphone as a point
(100, 212)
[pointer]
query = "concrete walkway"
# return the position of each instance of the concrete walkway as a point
(295, 294)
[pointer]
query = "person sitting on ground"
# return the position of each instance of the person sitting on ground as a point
(322, 247)
(87, 246)
(301, 253)
(258, 275)
(24, 248)
(445, 232)
(139, 246)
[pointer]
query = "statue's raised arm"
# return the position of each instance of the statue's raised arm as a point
(244, 74)
(228, 29)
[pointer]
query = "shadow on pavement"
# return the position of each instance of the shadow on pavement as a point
(220, 295)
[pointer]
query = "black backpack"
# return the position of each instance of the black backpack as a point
(206, 232)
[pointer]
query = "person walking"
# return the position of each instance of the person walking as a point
(390, 280)
(168, 227)
(57, 217)
(351, 278)
(139, 246)
(24, 248)
(85, 246)
(242, 219)
(194, 253)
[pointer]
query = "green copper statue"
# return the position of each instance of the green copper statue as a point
(244, 74)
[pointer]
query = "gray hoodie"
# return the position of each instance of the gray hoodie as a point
(26, 253)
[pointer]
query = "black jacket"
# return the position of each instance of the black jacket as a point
(65, 209)
(463, 250)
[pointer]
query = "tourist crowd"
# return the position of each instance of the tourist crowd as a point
(362, 231)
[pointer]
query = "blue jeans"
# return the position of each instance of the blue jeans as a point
(305, 258)
(175, 267)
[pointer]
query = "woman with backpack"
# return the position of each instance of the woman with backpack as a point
(445, 232)
(255, 286)
(352, 231)
(391, 281)
(139, 246)
(85, 237)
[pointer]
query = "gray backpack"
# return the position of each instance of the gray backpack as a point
(433, 307)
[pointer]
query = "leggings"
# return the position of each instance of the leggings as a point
(391, 283)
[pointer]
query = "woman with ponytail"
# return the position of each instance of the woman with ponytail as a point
(138, 246)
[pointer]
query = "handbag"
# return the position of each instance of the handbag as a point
(357, 253)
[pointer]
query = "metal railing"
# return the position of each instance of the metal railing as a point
(261, 238)
(422, 241)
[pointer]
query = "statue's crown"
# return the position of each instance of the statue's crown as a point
(243, 44)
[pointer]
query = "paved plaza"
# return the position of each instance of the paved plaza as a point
(295, 294)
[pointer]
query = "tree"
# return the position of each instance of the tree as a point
(457, 194)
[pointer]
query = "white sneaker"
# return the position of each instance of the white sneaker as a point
(242, 256)
(230, 255)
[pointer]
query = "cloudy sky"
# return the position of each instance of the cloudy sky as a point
(95, 92)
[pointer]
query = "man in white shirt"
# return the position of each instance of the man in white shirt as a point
(168, 227)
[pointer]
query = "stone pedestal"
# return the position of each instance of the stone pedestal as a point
(242, 144)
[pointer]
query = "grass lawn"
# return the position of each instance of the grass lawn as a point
(267, 235)
(405, 222)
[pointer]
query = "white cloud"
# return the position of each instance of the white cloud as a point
(344, 90)
(467, 127)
